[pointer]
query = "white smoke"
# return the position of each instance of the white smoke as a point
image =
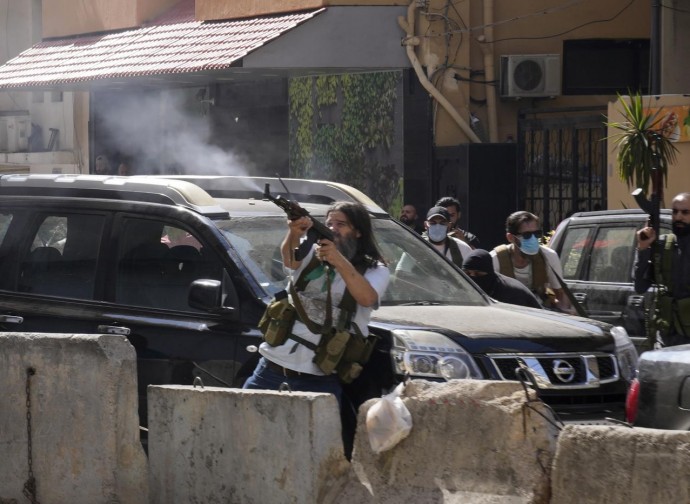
(168, 132)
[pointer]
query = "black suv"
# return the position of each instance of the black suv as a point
(597, 251)
(186, 276)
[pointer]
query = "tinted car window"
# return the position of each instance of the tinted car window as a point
(573, 251)
(157, 262)
(612, 251)
(5, 221)
(63, 256)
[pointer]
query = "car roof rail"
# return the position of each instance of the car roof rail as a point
(301, 190)
(147, 189)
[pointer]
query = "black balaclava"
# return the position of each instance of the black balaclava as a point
(480, 260)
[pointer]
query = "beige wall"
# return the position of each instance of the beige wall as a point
(678, 173)
(224, 9)
(62, 18)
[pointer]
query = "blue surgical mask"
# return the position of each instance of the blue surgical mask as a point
(529, 246)
(437, 232)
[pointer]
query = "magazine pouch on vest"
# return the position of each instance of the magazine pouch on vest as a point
(278, 319)
(331, 349)
(357, 354)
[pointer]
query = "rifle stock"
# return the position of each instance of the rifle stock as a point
(317, 231)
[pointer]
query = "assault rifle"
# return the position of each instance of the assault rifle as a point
(317, 231)
(652, 206)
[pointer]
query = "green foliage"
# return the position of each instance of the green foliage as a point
(640, 140)
(342, 129)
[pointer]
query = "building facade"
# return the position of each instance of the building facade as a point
(501, 104)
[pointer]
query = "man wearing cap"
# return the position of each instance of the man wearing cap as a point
(437, 227)
(480, 267)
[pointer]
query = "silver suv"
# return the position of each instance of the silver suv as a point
(185, 267)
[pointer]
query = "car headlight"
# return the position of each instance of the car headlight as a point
(625, 353)
(431, 355)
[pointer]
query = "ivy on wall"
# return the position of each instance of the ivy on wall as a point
(342, 128)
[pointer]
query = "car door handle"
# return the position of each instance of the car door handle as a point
(635, 300)
(110, 329)
(11, 319)
(580, 297)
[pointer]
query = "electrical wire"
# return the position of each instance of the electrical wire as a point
(674, 9)
(605, 20)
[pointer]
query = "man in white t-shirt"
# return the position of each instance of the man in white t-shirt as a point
(534, 265)
(352, 250)
(438, 225)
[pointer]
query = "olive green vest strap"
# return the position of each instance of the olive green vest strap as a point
(539, 275)
(455, 254)
(301, 282)
(505, 263)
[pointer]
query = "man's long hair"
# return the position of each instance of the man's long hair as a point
(367, 249)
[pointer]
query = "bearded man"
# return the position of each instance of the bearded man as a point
(669, 269)
(349, 265)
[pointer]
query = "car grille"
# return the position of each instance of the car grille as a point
(559, 371)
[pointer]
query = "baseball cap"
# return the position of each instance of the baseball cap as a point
(438, 210)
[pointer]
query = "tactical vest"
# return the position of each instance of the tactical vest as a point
(455, 254)
(338, 350)
(539, 273)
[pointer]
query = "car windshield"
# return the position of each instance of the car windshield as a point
(419, 275)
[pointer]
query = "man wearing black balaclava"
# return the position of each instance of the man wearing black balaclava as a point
(479, 266)
(669, 268)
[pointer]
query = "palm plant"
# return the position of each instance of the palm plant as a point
(643, 152)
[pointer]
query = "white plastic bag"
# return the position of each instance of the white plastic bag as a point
(388, 421)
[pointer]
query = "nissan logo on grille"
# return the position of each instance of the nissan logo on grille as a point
(563, 370)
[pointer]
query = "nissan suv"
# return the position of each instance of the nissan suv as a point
(597, 251)
(185, 267)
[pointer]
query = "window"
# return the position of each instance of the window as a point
(605, 66)
(157, 262)
(63, 256)
(612, 255)
(573, 251)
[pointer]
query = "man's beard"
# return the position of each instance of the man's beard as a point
(346, 246)
(681, 228)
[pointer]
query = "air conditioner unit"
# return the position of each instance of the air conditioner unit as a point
(530, 75)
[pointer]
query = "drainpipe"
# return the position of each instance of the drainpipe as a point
(486, 44)
(410, 42)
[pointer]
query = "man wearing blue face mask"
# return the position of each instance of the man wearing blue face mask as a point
(437, 226)
(526, 260)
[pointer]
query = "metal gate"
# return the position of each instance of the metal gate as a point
(561, 162)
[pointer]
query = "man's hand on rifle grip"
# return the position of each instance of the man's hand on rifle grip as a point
(645, 237)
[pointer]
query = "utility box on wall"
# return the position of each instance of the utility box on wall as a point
(15, 128)
(484, 178)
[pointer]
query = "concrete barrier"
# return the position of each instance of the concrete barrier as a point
(243, 446)
(76, 416)
(620, 465)
(472, 442)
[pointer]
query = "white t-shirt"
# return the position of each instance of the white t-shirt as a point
(294, 355)
(524, 275)
(465, 249)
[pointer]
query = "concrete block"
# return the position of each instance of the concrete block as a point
(472, 442)
(243, 446)
(621, 465)
(82, 407)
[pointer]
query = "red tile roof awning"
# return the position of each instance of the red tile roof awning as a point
(174, 44)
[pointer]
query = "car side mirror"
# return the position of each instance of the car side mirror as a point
(207, 295)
